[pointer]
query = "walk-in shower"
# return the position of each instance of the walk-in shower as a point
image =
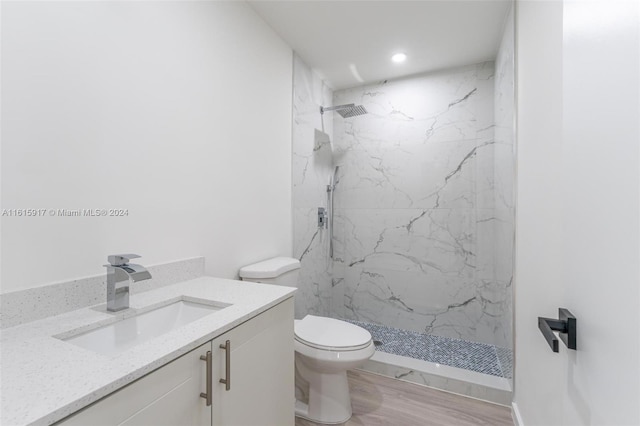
(419, 244)
(422, 224)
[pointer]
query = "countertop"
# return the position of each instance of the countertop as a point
(44, 379)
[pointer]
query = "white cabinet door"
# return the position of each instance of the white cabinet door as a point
(168, 396)
(261, 389)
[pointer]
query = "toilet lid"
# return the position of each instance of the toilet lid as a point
(270, 268)
(325, 333)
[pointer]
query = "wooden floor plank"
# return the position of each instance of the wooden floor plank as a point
(382, 401)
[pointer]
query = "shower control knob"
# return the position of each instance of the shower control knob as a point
(322, 217)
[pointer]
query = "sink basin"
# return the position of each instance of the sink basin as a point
(124, 334)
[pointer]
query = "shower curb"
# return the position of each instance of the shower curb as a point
(480, 386)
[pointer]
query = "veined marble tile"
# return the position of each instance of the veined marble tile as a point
(403, 299)
(504, 172)
(434, 304)
(484, 185)
(312, 167)
(448, 105)
(426, 241)
(485, 243)
(309, 93)
(312, 153)
(311, 247)
(446, 174)
(418, 235)
(427, 142)
(503, 239)
(312, 150)
(423, 225)
(483, 101)
(338, 290)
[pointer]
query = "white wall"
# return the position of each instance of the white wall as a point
(578, 207)
(179, 112)
(601, 176)
(538, 266)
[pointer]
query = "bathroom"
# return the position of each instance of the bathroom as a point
(462, 200)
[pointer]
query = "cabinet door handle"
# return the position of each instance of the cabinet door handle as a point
(227, 369)
(209, 393)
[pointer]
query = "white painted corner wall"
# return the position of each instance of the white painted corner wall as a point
(578, 234)
(179, 112)
(538, 264)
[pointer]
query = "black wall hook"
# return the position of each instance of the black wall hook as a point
(565, 324)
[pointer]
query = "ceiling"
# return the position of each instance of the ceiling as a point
(350, 43)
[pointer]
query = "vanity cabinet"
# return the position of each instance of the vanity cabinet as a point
(261, 388)
(163, 397)
(258, 367)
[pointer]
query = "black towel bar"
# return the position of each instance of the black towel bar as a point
(565, 325)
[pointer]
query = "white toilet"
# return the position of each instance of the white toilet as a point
(325, 349)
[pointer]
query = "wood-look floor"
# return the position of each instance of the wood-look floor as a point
(381, 401)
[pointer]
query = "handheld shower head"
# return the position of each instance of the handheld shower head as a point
(331, 189)
(346, 111)
(333, 180)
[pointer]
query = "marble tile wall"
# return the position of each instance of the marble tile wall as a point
(419, 235)
(312, 166)
(424, 201)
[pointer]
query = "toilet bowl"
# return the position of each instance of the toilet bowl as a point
(325, 348)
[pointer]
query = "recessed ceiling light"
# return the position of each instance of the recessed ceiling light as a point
(399, 57)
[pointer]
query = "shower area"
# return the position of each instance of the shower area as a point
(404, 219)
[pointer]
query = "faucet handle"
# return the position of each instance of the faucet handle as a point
(121, 259)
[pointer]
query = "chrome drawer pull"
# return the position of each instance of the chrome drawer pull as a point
(227, 356)
(209, 393)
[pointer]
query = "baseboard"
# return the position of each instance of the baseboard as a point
(515, 414)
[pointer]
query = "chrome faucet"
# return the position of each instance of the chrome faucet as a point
(119, 273)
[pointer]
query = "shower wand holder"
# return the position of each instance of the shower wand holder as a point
(565, 325)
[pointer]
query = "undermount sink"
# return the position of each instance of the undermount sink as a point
(124, 334)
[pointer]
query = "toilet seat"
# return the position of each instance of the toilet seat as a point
(330, 334)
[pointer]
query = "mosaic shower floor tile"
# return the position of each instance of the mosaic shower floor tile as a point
(479, 357)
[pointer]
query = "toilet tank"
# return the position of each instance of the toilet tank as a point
(278, 271)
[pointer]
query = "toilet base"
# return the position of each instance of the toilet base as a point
(302, 411)
(328, 395)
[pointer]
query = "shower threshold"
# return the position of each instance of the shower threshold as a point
(468, 368)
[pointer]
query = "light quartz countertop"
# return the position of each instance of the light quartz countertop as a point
(44, 379)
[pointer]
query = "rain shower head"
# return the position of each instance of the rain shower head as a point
(346, 111)
(352, 112)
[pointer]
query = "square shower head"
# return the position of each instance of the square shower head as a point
(352, 112)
